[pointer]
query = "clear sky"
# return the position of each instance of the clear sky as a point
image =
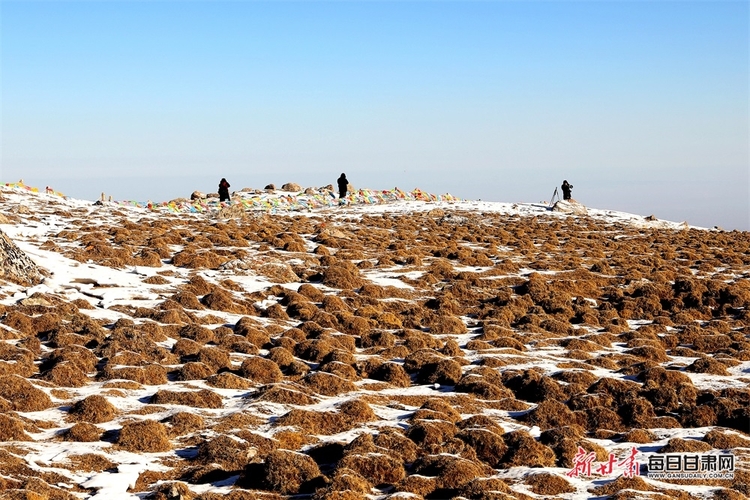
(642, 106)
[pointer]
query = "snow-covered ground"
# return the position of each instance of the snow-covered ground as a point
(468, 266)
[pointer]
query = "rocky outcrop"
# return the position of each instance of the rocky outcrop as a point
(569, 207)
(16, 266)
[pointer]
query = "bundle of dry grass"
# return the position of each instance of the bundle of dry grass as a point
(222, 300)
(194, 370)
(183, 422)
(144, 436)
(378, 469)
(314, 350)
(151, 374)
(431, 432)
(261, 370)
(285, 472)
(524, 450)
(228, 453)
(65, 374)
(342, 275)
(83, 432)
(443, 372)
(94, 409)
(22, 395)
(196, 333)
(393, 373)
(328, 384)
(203, 398)
(173, 490)
(546, 483)
(215, 358)
(345, 484)
(451, 472)
(12, 429)
(284, 394)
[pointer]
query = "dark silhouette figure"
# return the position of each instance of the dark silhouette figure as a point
(566, 190)
(343, 184)
(224, 190)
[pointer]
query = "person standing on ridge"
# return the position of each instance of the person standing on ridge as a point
(566, 190)
(343, 184)
(224, 190)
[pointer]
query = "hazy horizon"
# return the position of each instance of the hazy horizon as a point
(642, 106)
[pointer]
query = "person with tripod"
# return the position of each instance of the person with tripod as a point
(566, 188)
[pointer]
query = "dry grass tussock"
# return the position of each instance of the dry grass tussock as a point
(450, 354)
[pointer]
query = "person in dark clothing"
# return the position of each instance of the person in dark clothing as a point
(343, 184)
(566, 190)
(224, 190)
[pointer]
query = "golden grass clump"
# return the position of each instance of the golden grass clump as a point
(378, 469)
(377, 338)
(284, 394)
(12, 429)
(236, 343)
(221, 300)
(416, 360)
(444, 372)
(65, 374)
(393, 373)
(708, 365)
(198, 285)
(229, 453)
(194, 370)
(546, 483)
(641, 436)
(261, 370)
(328, 384)
(83, 432)
(187, 299)
(172, 490)
(198, 260)
(599, 417)
(144, 436)
(342, 275)
(347, 480)
(314, 350)
(215, 358)
(416, 486)
(288, 472)
(726, 440)
(524, 450)
(431, 432)
(293, 440)
(94, 409)
(197, 333)
(324, 423)
(183, 422)
(548, 414)
(445, 324)
(340, 369)
(451, 472)
(489, 446)
(281, 356)
(251, 330)
(22, 395)
(311, 292)
(679, 445)
(356, 411)
(203, 398)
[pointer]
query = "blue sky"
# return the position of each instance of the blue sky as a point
(642, 106)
